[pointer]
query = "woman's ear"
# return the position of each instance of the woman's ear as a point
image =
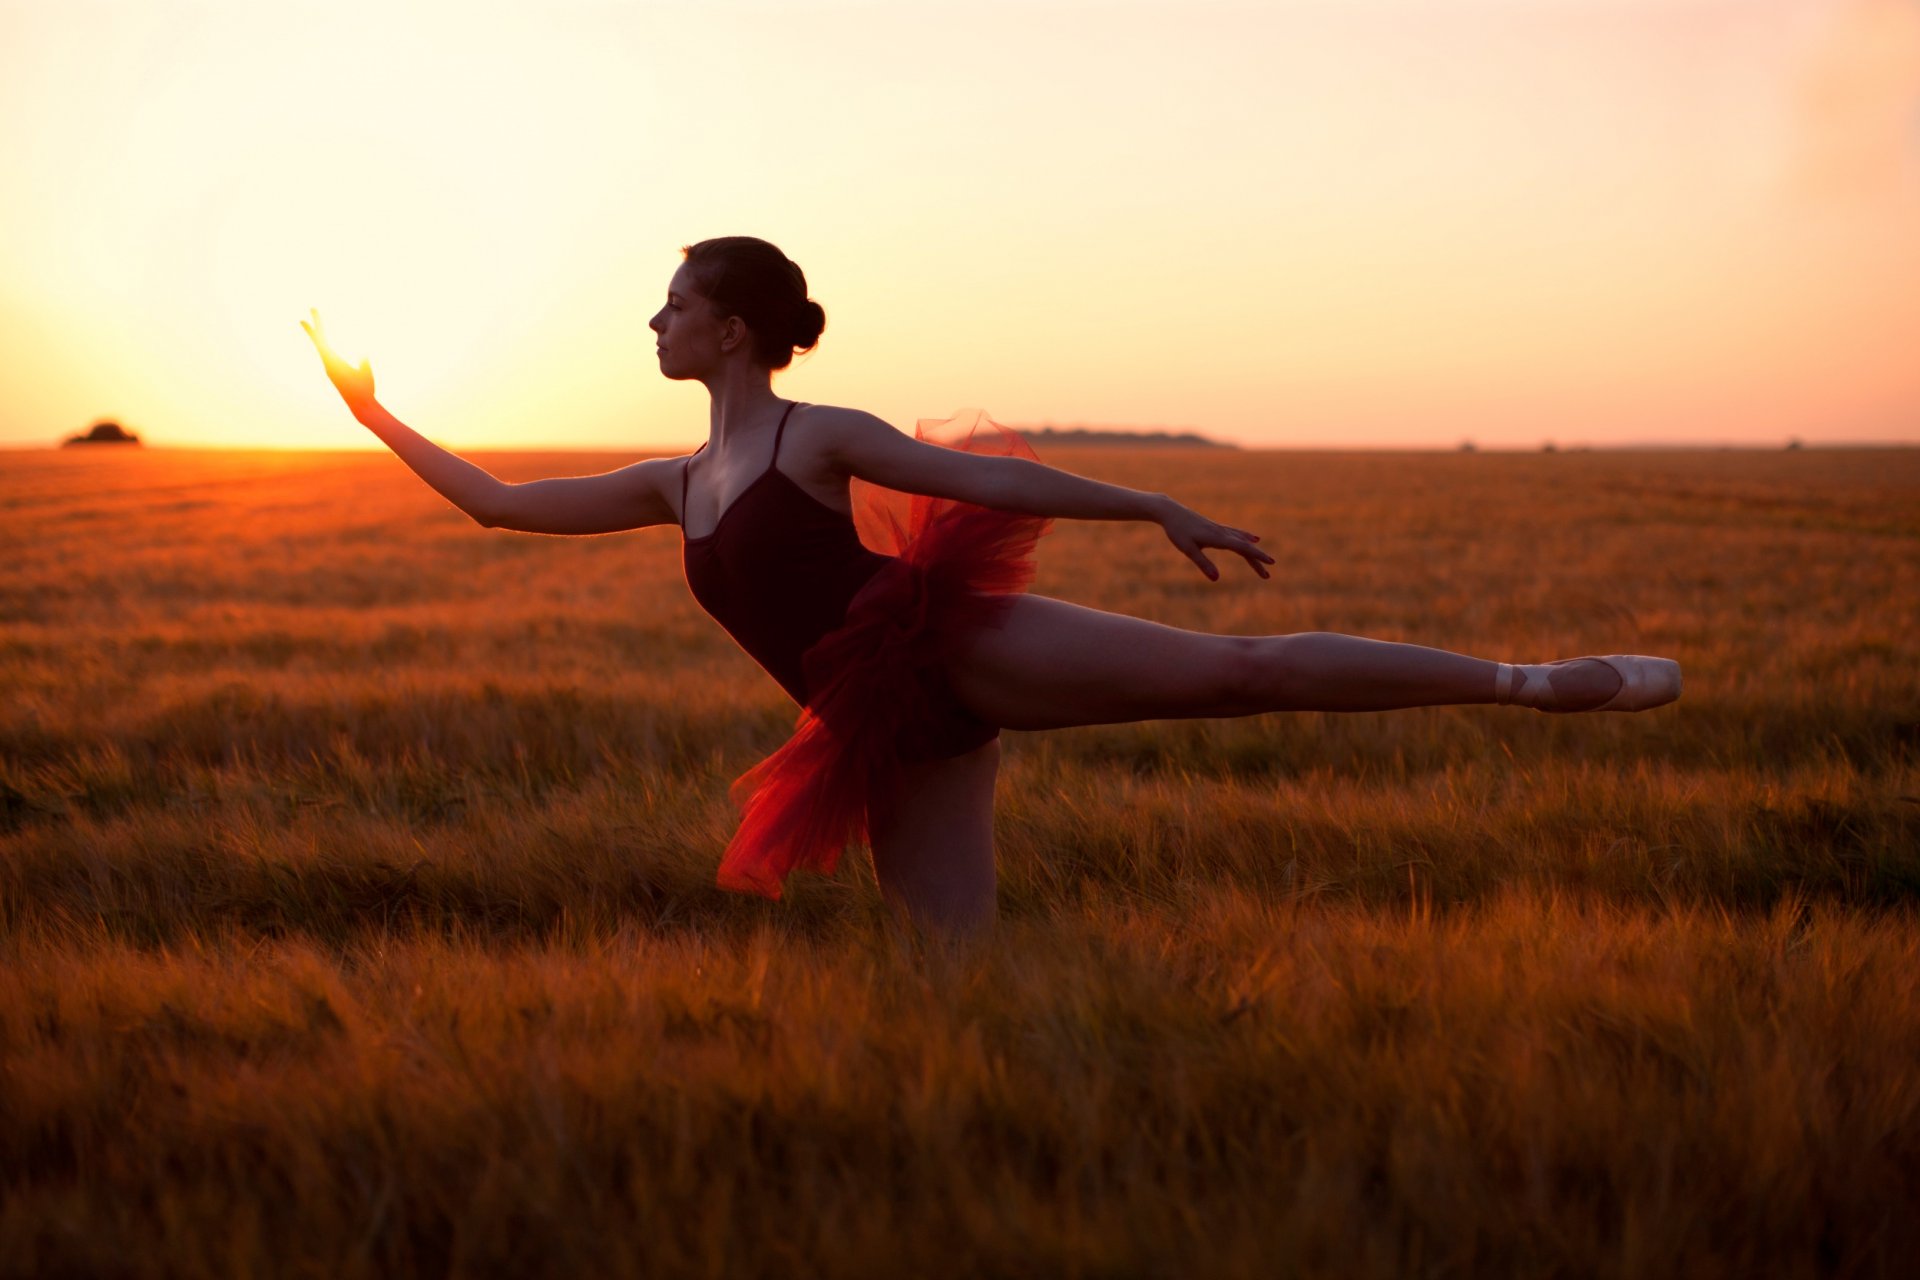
(733, 332)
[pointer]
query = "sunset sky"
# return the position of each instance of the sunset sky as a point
(1325, 223)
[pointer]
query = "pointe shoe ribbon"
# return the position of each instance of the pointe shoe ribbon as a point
(1645, 682)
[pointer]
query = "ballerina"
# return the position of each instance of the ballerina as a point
(907, 661)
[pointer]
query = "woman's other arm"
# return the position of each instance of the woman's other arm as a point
(630, 498)
(862, 445)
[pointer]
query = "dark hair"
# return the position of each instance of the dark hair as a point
(751, 279)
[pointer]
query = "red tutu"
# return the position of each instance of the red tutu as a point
(874, 683)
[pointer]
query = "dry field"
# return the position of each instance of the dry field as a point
(357, 916)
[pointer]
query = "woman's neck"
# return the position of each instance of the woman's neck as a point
(743, 402)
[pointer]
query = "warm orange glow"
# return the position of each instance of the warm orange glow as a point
(1391, 222)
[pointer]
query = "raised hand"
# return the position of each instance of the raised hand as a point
(354, 385)
(1190, 531)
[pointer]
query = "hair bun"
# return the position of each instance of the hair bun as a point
(808, 324)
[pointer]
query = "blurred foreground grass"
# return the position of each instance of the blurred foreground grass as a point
(356, 904)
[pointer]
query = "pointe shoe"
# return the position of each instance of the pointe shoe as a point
(1644, 682)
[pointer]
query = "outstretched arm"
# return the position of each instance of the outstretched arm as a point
(630, 498)
(865, 446)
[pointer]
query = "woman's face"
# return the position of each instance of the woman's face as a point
(692, 338)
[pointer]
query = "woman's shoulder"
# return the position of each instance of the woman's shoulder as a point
(829, 417)
(832, 437)
(831, 429)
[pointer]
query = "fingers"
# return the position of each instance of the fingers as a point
(1254, 553)
(1191, 550)
(1256, 559)
(1213, 574)
(314, 330)
(1238, 541)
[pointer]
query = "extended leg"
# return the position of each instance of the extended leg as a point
(1054, 665)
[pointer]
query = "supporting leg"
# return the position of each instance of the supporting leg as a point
(932, 840)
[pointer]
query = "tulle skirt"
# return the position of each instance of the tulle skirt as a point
(876, 692)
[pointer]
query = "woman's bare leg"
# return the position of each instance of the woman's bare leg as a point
(1053, 665)
(932, 840)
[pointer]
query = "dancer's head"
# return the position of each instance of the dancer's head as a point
(735, 294)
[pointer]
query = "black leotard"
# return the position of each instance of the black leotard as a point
(778, 570)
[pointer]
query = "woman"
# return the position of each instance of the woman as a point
(907, 664)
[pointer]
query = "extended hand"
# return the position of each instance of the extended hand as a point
(1190, 531)
(354, 385)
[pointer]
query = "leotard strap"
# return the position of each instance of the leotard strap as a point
(687, 466)
(780, 431)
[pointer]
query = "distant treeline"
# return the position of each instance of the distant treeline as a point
(104, 431)
(1083, 435)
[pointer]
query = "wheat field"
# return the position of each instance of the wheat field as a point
(357, 912)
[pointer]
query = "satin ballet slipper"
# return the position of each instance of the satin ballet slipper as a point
(1644, 683)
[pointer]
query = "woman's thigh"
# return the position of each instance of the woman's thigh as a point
(1053, 665)
(932, 840)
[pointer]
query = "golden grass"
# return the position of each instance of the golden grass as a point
(357, 916)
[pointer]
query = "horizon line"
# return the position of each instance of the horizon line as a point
(1786, 445)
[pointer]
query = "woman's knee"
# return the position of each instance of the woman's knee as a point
(1247, 674)
(1270, 673)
